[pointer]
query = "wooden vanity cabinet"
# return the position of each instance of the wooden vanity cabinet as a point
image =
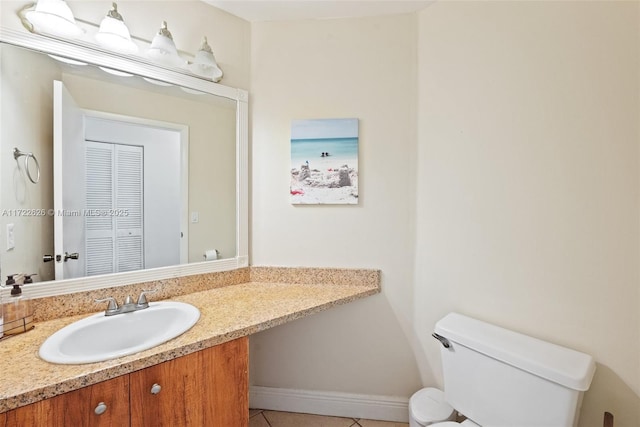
(206, 388)
(77, 408)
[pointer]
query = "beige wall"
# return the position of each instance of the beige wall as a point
(516, 202)
(362, 68)
(528, 180)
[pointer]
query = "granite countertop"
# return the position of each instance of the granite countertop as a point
(227, 313)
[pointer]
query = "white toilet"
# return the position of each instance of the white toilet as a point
(500, 378)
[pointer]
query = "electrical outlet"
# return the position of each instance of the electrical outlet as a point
(11, 241)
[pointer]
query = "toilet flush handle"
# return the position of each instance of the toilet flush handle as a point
(443, 340)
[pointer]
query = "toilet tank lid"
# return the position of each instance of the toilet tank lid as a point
(561, 365)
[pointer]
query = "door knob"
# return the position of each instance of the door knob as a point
(47, 258)
(100, 409)
(155, 389)
(68, 256)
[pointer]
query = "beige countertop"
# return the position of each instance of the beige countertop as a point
(226, 313)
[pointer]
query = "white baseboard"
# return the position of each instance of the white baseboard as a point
(384, 408)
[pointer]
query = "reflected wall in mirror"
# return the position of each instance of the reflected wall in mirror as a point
(203, 219)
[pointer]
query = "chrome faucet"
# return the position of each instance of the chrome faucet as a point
(128, 306)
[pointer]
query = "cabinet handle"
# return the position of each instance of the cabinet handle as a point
(155, 389)
(100, 409)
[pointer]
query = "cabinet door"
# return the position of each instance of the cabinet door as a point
(77, 408)
(206, 388)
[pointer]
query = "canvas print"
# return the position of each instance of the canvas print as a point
(324, 161)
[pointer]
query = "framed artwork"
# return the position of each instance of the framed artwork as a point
(324, 161)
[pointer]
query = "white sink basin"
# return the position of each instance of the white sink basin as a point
(97, 338)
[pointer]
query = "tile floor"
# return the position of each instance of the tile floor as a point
(263, 418)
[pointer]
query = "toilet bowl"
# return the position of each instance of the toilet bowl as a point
(428, 408)
(465, 423)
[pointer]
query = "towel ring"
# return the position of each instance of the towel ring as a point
(17, 154)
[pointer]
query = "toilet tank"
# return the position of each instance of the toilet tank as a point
(501, 378)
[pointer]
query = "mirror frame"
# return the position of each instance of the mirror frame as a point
(142, 67)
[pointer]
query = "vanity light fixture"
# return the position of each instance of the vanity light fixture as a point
(163, 49)
(53, 17)
(114, 34)
(204, 63)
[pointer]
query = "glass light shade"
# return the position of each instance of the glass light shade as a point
(53, 17)
(163, 49)
(114, 34)
(204, 64)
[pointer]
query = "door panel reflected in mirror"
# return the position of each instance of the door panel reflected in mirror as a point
(137, 202)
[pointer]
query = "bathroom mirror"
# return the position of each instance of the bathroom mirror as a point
(190, 176)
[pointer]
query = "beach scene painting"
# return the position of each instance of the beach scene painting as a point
(324, 161)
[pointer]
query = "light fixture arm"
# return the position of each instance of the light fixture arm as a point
(113, 13)
(205, 45)
(29, 7)
(164, 31)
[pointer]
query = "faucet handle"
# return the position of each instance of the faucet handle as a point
(113, 304)
(142, 299)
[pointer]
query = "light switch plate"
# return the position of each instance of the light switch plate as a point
(11, 241)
